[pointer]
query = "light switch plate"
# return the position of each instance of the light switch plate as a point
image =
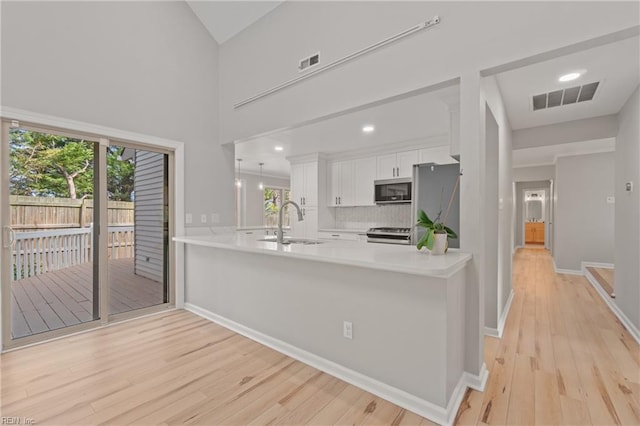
(203, 218)
(611, 200)
(188, 218)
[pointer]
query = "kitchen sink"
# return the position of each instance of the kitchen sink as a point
(287, 240)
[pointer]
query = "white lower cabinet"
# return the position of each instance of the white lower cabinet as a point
(307, 228)
(345, 236)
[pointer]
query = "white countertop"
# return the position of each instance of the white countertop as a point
(388, 257)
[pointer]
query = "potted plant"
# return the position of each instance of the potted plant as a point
(436, 239)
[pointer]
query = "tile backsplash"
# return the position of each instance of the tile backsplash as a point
(398, 215)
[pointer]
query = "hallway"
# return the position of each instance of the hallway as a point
(564, 357)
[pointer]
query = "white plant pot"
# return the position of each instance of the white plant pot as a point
(440, 245)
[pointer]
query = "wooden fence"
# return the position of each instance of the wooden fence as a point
(35, 213)
(38, 252)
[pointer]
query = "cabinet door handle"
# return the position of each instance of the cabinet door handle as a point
(335, 235)
(339, 200)
(336, 200)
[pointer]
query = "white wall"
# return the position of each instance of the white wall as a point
(627, 211)
(471, 36)
(584, 222)
(144, 67)
(499, 190)
(570, 131)
(536, 173)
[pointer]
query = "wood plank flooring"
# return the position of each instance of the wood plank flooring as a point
(604, 277)
(177, 368)
(563, 359)
(62, 298)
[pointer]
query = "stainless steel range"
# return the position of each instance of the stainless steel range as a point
(389, 235)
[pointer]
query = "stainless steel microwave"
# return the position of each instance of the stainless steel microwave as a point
(390, 191)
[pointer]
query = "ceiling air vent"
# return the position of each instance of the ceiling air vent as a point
(567, 96)
(309, 62)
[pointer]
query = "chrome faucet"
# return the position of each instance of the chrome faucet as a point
(300, 218)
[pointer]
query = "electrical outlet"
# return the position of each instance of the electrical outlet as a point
(188, 218)
(347, 329)
(203, 218)
(215, 218)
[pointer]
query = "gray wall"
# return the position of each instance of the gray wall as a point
(584, 222)
(567, 132)
(627, 216)
(145, 67)
(536, 173)
(519, 215)
(254, 198)
(491, 221)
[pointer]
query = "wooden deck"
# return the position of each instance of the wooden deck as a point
(65, 297)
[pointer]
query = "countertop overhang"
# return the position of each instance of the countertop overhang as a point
(387, 257)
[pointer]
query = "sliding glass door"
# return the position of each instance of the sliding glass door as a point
(138, 239)
(85, 231)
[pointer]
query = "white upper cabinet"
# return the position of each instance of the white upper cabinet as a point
(364, 174)
(304, 183)
(350, 182)
(340, 187)
(406, 160)
(396, 165)
(438, 155)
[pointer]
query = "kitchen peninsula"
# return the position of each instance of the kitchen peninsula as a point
(386, 318)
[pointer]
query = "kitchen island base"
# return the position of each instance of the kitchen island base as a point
(407, 342)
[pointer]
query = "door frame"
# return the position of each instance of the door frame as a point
(103, 135)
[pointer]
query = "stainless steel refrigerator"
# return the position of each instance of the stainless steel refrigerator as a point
(432, 188)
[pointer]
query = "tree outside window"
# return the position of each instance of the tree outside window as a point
(273, 200)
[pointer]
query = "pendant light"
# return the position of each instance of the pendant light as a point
(238, 181)
(261, 184)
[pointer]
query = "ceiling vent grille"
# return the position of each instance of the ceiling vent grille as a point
(567, 96)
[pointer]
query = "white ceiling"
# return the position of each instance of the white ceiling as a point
(615, 65)
(224, 19)
(415, 118)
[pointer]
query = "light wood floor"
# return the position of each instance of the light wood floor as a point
(605, 277)
(564, 359)
(64, 297)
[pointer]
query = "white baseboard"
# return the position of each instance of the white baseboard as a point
(633, 330)
(505, 314)
(584, 265)
(441, 415)
(491, 332)
(564, 271)
(497, 332)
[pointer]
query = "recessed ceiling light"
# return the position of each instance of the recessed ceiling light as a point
(368, 128)
(278, 148)
(569, 77)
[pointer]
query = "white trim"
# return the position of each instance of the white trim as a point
(441, 415)
(491, 332)
(80, 126)
(564, 271)
(626, 322)
(505, 314)
(584, 265)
